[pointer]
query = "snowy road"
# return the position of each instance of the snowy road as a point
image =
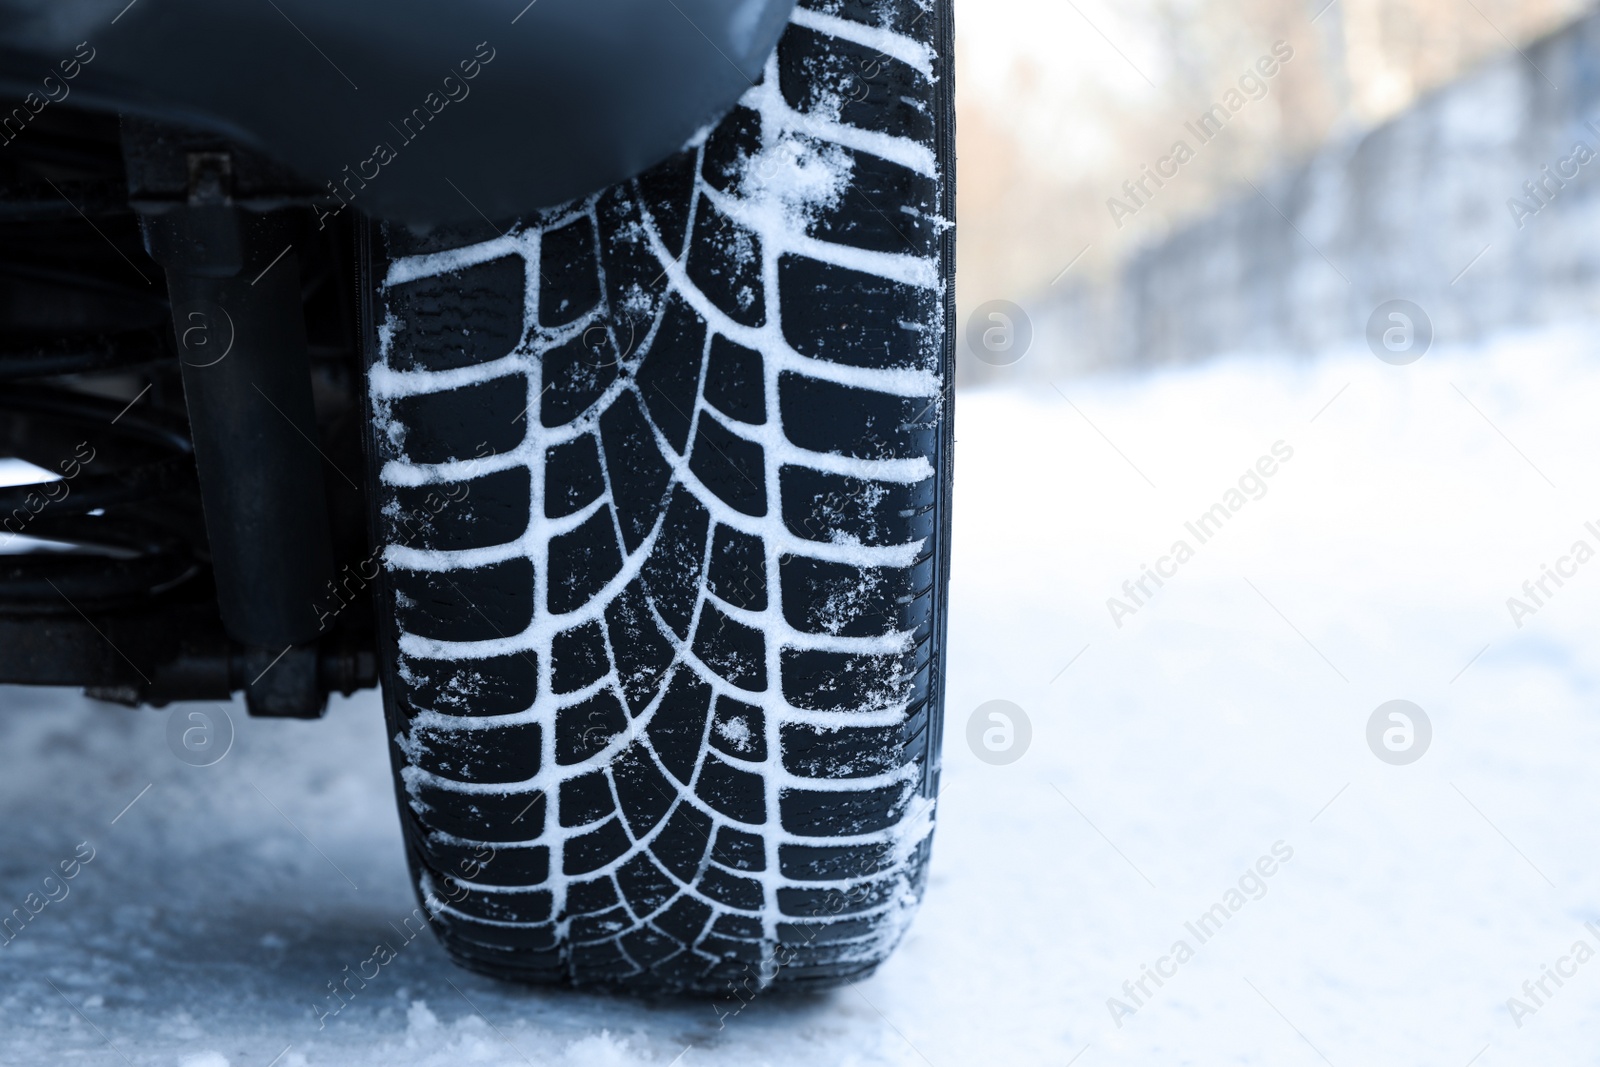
(1224, 721)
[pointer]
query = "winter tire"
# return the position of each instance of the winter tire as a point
(661, 485)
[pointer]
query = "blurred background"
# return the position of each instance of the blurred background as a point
(1185, 230)
(1376, 161)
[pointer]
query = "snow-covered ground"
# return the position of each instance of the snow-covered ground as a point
(1224, 721)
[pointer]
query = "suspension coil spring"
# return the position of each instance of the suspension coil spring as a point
(92, 535)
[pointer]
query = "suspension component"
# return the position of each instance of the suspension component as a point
(184, 542)
(234, 283)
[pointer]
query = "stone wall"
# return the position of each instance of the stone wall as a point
(1396, 212)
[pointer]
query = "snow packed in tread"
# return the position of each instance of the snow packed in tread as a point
(669, 633)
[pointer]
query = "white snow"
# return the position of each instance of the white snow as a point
(736, 731)
(1165, 760)
(885, 42)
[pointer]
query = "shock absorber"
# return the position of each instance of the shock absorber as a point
(233, 280)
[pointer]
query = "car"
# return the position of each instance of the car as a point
(581, 375)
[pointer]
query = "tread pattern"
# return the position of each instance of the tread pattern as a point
(665, 538)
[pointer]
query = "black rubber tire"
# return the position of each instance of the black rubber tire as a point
(662, 501)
